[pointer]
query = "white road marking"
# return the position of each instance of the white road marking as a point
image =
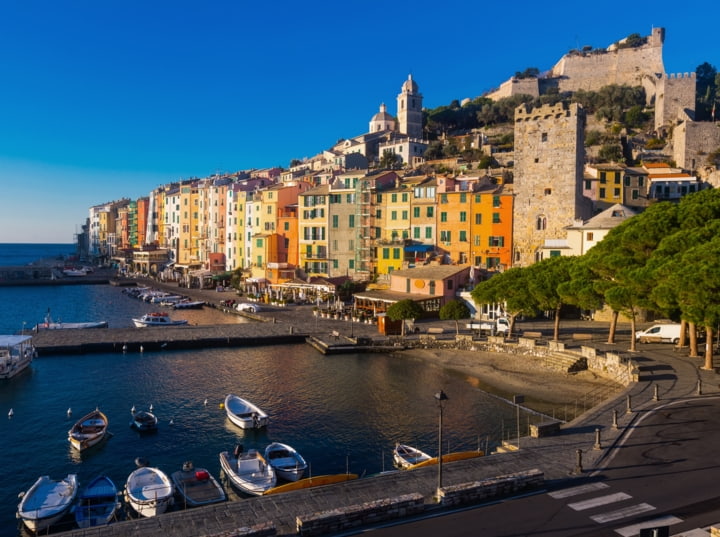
(575, 491)
(600, 500)
(623, 513)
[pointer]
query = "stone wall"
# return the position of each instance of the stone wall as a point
(549, 155)
(674, 97)
(516, 86)
(497, 487)
(693, 141)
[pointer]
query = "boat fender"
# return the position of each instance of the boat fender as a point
(141, 462)
(202, 475)
(238, 451)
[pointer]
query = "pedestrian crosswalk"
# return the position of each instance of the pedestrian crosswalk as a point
(595, 496)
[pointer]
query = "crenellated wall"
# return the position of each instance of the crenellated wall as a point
(674, 97)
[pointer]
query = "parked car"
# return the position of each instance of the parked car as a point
(247, 307)
(660, 333)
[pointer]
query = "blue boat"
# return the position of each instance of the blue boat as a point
(97, 503)
(144, 421)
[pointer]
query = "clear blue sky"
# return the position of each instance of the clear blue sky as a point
(101, 100)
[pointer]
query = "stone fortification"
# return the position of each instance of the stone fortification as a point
(693, 141)
(594, 69)
(516, 86)
(674, 97)
(549, 155)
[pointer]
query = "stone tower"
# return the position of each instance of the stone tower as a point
(549, 155)
(409, 109)
(674, 98)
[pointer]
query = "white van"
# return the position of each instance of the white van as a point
(659, 333)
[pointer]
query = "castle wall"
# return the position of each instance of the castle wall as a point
(675, 95)
(516, 86)
(549, 154)
(693, 141)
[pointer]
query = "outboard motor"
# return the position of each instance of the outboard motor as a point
(238, 451)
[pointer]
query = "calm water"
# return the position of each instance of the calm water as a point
(22, 254)
(341, 412)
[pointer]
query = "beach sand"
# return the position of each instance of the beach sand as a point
(506, 375)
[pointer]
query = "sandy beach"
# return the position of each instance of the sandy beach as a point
(506, 375)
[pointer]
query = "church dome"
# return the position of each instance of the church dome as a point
(382, 115)
(382, 121)
(410, 85)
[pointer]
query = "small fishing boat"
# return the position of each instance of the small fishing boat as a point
(49, 324)
(311, 482)
(188, 305)
(47, 501)
(97, 503)
(450, 457)
(16, 354)
(248, 471)
(405, 456)
(144, 421)
(244, 414)
(88, 430)
(157, 318)
(149, 491)
(197, 486)
(287, 462)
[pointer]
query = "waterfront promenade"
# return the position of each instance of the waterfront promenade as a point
(580, 448)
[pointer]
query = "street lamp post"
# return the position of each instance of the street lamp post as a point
(440, 397)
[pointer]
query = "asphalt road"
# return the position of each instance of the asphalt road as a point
(664, 472)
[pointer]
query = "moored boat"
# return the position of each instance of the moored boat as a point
(287, 462)
(49, 324)
(197, 486)
(88, 430)
(47, 501)
(149, 491)
(244, 414)
(188, 304)
(450, 457)
(311, 482)
(16, 354)
(97, 503)
(248, 471)
(144, 421)
(157, 318)
(405, 456)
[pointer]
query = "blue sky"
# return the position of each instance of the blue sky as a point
(105, 100)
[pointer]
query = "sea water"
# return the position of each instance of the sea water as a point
(343, 413)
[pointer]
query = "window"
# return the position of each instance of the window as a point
(286, 226)
(449, 284)
(386, 253)
(393, 198)
(445, 236)
(496, 218)
(428, 232)
(430, 212)
(431, 287)
(635, 194)
(616, 192)
(554, 253)
(404, 215)
(601, 193)
(351, 264)
(443, 217)
(548, 191)
(335, 263)
(588, 184)
(393, 215)
(463, 197)
(541, 223)
(543, 137)
(404, 197)
(496, 201)
(443, 198)
(335, 221)
(463, 236)
(396, 253)
(351, 220)
(603, 178)
(496, 242)
(416, 232)
(463, 216)
(416, 212)
(476, 242)
(589, 235)
(478, 219)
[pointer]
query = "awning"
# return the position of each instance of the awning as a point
(419, 248)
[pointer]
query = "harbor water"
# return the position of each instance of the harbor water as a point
(344, 413)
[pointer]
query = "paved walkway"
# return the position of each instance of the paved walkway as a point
(665, 375)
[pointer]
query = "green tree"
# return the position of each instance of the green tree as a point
(543, 280)
(706, 88)
(389, 160)
(454, 310)
(405, 310)
(509, 288)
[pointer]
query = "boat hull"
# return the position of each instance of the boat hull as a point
(251, 475)
(197, 486)
(244, 414)
(405, 456)
(16, 354)
(149, 491)
(144, 421)
(88, 431)
(47, 501)
(288, 464)
(311, 482)
(97, 503)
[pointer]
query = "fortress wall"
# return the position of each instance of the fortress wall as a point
(516, 86)
(693, 141)
(675, 93)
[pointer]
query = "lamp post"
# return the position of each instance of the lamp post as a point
(440, 397)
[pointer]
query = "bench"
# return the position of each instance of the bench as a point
(435, 330)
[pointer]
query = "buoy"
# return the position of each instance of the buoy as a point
(172, 422)
(142, 349)
(205, 403)
(151, 407)
(11, 413)
(222, 405)
(124, 348)
(132, 410)
(69, 412)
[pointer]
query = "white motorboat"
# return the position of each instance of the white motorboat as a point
(47, 501)
(88, 430)
(405, 456)
(157, 318)
(197, 486)
(149, 491)
(248, 471)
(97, 503)
(16, 354)
(287, 462)
(144, 421)
(188, 305)
(244, 414)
